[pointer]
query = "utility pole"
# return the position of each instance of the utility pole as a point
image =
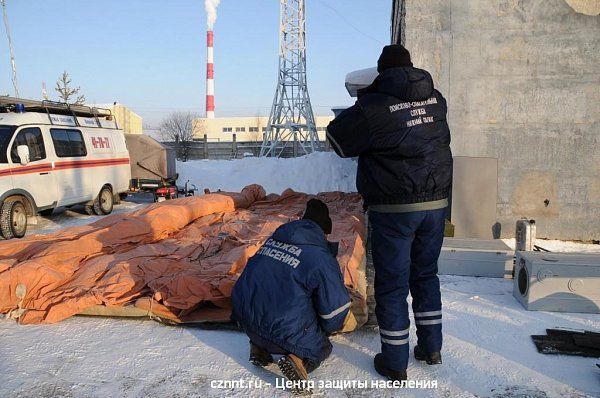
(291, 121)
(398, 22)
(10, 47)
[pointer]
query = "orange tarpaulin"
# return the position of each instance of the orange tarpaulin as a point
(177, 259)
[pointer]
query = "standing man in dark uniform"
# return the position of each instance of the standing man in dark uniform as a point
(399, 132)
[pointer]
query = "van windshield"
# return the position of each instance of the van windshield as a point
(6, 133)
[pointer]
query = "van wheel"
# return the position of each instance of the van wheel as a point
(13, 219)
(104, 202)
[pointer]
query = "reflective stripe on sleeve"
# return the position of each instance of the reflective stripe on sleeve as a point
(394, 333)
(428, 322)
(395, 342)
(428, 313)
(335, 143)
(336, 312)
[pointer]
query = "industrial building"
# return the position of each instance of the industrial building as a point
(127, 120)
(245, 128)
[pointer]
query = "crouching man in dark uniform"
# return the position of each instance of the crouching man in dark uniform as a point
(291, 295)
(398, 130)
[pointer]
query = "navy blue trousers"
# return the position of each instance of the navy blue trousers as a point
(405, 248)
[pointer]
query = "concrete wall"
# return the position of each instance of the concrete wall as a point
(522, 79)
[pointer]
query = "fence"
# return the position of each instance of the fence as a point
(219, 150)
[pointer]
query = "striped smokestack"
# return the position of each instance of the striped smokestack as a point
(210, 74)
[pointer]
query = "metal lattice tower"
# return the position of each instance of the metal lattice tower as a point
(291, 121)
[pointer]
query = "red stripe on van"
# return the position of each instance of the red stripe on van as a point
(74, 164)
(38, 168)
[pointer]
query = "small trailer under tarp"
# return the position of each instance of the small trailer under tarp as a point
(150, 160)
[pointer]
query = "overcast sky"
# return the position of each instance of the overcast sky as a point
(150, 55)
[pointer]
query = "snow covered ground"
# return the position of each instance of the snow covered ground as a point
(71, 217)
(487, 353)
(64, 218)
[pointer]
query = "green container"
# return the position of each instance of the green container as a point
(449, 229)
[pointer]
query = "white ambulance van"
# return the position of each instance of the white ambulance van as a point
(53, 154)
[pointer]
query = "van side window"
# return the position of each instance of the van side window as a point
(32, 137)
(68, 143)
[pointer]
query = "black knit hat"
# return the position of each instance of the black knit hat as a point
(318, 212)
(393, 56)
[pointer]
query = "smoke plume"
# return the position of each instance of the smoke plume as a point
(211, 12)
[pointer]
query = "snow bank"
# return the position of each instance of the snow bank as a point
(560, 246)
(314, 173)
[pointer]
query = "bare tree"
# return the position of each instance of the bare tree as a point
(181, 128)
(66, 93)
(255, 134)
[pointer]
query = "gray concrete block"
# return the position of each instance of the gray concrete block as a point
(561, 282)
(474, 197)
(476, 257)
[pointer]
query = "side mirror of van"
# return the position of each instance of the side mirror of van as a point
(23, 153)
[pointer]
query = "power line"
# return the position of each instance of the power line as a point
(350, 22)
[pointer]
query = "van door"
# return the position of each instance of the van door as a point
(6, 136)
(70, 166)
(37, 177)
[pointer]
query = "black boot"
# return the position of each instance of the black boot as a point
(385, 372)
(258, 356)
(433, 358)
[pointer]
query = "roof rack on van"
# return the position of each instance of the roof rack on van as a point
(9, 104)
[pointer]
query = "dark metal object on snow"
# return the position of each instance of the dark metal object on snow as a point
(568, 342)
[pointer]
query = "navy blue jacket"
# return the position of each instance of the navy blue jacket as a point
(399, 132)
(292, 292)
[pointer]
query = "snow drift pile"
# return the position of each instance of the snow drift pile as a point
(177, 260)
(331, 172)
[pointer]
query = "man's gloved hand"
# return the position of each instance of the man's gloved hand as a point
(350, 323)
